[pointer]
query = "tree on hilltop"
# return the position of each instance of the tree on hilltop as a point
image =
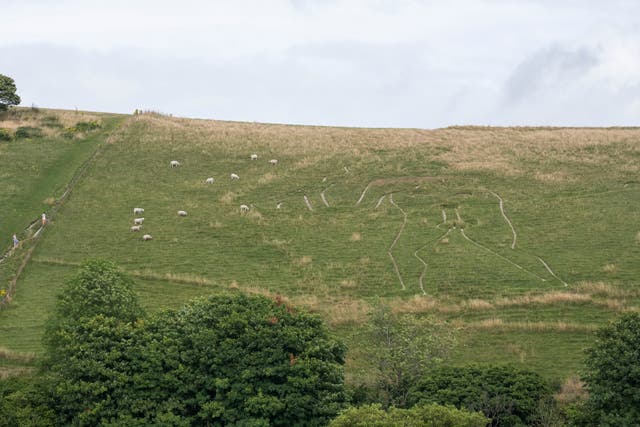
(8, 95)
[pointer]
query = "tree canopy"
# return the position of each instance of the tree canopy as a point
(613, 373)
(509, 396)
(220, 360)
(8, 95)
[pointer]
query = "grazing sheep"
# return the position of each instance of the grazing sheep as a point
(182, 213)
(138, 221)
(136, 227)
(234, 176)
(209, 180)
(147, 237)
(254, 157)
(137, 211)
(273, 161)
(279, 205)
(175, 163)
(244, 208)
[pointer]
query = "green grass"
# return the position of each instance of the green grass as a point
(564, 191)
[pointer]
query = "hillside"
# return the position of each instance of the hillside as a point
(523, 238)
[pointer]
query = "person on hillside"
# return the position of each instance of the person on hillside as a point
(44, 218)
(15, 240)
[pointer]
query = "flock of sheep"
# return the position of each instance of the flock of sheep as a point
(137, 222)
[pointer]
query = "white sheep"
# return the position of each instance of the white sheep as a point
(209, 180)
(175, 163)
(182, 213)
(234, 176)
(273, 161)
(137, 211)
(147, 237)
(254, 157)
(138, 221)
(279, 205)
(244, 208)
(136, 227)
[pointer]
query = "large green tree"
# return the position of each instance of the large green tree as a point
(8, 95)
(613, 374)
(508, 396)
(221, 360)
(403, 349)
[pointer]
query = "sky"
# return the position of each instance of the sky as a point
(369, 63)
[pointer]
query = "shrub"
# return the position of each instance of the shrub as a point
(88, 126)
(428, 415)
(24, 132)
(51, 122)
(509, 396)
(5, 135)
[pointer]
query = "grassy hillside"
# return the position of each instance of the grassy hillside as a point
(523, 238)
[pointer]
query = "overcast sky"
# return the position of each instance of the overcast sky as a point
(374, 63)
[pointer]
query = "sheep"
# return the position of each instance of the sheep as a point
(136, 227)
(147, 237)
(234, 176)
(209, 180)
(182, 213)
(175, 163)
(254, 157)
(137, 211)
(244, 208)
(279, 205)
(273, 161)
(138, 221)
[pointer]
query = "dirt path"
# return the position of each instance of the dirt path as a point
(444, 218)
(551, 271)
(380, 201)
(393, 260)
(363, 193)
(513, 230)
(500, 256)
(424, 271)
(324, 199)
(307, 202)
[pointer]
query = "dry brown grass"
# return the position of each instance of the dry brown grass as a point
(26, 117)
(572, 389)
(7, 354)
(610, 268)
(477, 304)
(543, 299)
(304, 260)
(228, 198)
(348, 284)
(497, 148)
(559, 326)
(355, 237)
(190, 279)
(603, 289)
(6, 373)
(422, 304)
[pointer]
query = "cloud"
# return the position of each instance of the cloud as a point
(548, 70)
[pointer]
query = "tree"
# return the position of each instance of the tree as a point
(249, 360)
(613, 373)
(221, 360)
(404, 348)
(8, 95)
(509, 396)
(428, 415)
